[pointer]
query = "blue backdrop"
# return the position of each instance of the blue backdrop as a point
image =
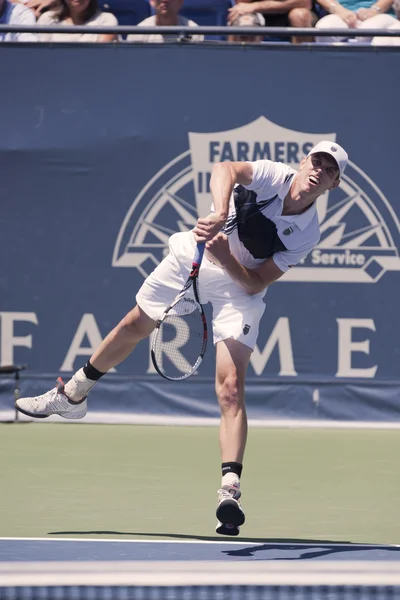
(106, 151)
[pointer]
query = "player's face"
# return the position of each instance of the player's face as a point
(320, 173)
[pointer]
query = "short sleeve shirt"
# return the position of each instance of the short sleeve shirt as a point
(156, 38)
(17, 14)
(100, 19)
(256, 228)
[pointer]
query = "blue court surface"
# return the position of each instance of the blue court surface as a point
(71, 569)
(76, 550)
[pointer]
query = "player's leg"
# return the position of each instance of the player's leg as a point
(232, 359)
(236, 319)
(113, 350)
(156, 293)
(69, 400)
(122, 340)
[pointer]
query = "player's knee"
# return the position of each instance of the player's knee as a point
(300, 17)
(137, 326)
(229, 393)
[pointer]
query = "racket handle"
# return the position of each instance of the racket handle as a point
(198, 255)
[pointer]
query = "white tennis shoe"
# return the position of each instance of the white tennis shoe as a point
(53, 402)
(229, 511)
(227, 529)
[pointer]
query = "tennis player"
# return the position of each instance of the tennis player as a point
(263, 221)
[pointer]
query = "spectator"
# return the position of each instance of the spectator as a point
(77, 12)
(166, 15)
(249, 20)
(16, 14)
(354, 14)
(38, 6)
(390, 41)
(278, 13)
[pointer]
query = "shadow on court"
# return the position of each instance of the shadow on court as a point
(308, 552)
(208, 538)
(267, 549)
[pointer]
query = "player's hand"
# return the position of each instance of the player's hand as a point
(218, 250)
(208, 227)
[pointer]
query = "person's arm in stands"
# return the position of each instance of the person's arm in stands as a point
(335, 8)
(267, 6)
(40, 6)
(380, 7)
(280, 6)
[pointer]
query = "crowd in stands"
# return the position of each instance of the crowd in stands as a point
(320, 14)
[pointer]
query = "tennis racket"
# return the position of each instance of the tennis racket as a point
(180, 337)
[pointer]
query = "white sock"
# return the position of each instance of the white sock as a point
(231, 479)
(78, 386)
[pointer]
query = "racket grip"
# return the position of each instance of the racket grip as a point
(198, 255)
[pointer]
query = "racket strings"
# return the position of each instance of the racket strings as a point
(180, 341)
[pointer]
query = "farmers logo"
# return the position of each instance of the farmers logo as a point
(359, 228)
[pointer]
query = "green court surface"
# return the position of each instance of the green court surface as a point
(125, 481)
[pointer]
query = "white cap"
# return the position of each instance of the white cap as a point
(336, 151)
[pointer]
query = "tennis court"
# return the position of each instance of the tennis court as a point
(139, 482)
(113, 511)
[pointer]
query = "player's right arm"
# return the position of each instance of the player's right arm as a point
(252, 280)
(224, 176)
(255, 280)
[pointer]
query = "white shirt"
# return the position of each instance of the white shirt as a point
(17, 14)
(156, 38)
(100, 19)
(257, 229)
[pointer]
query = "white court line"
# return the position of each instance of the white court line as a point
(162, 541)
(100, 418)
(243, 542)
